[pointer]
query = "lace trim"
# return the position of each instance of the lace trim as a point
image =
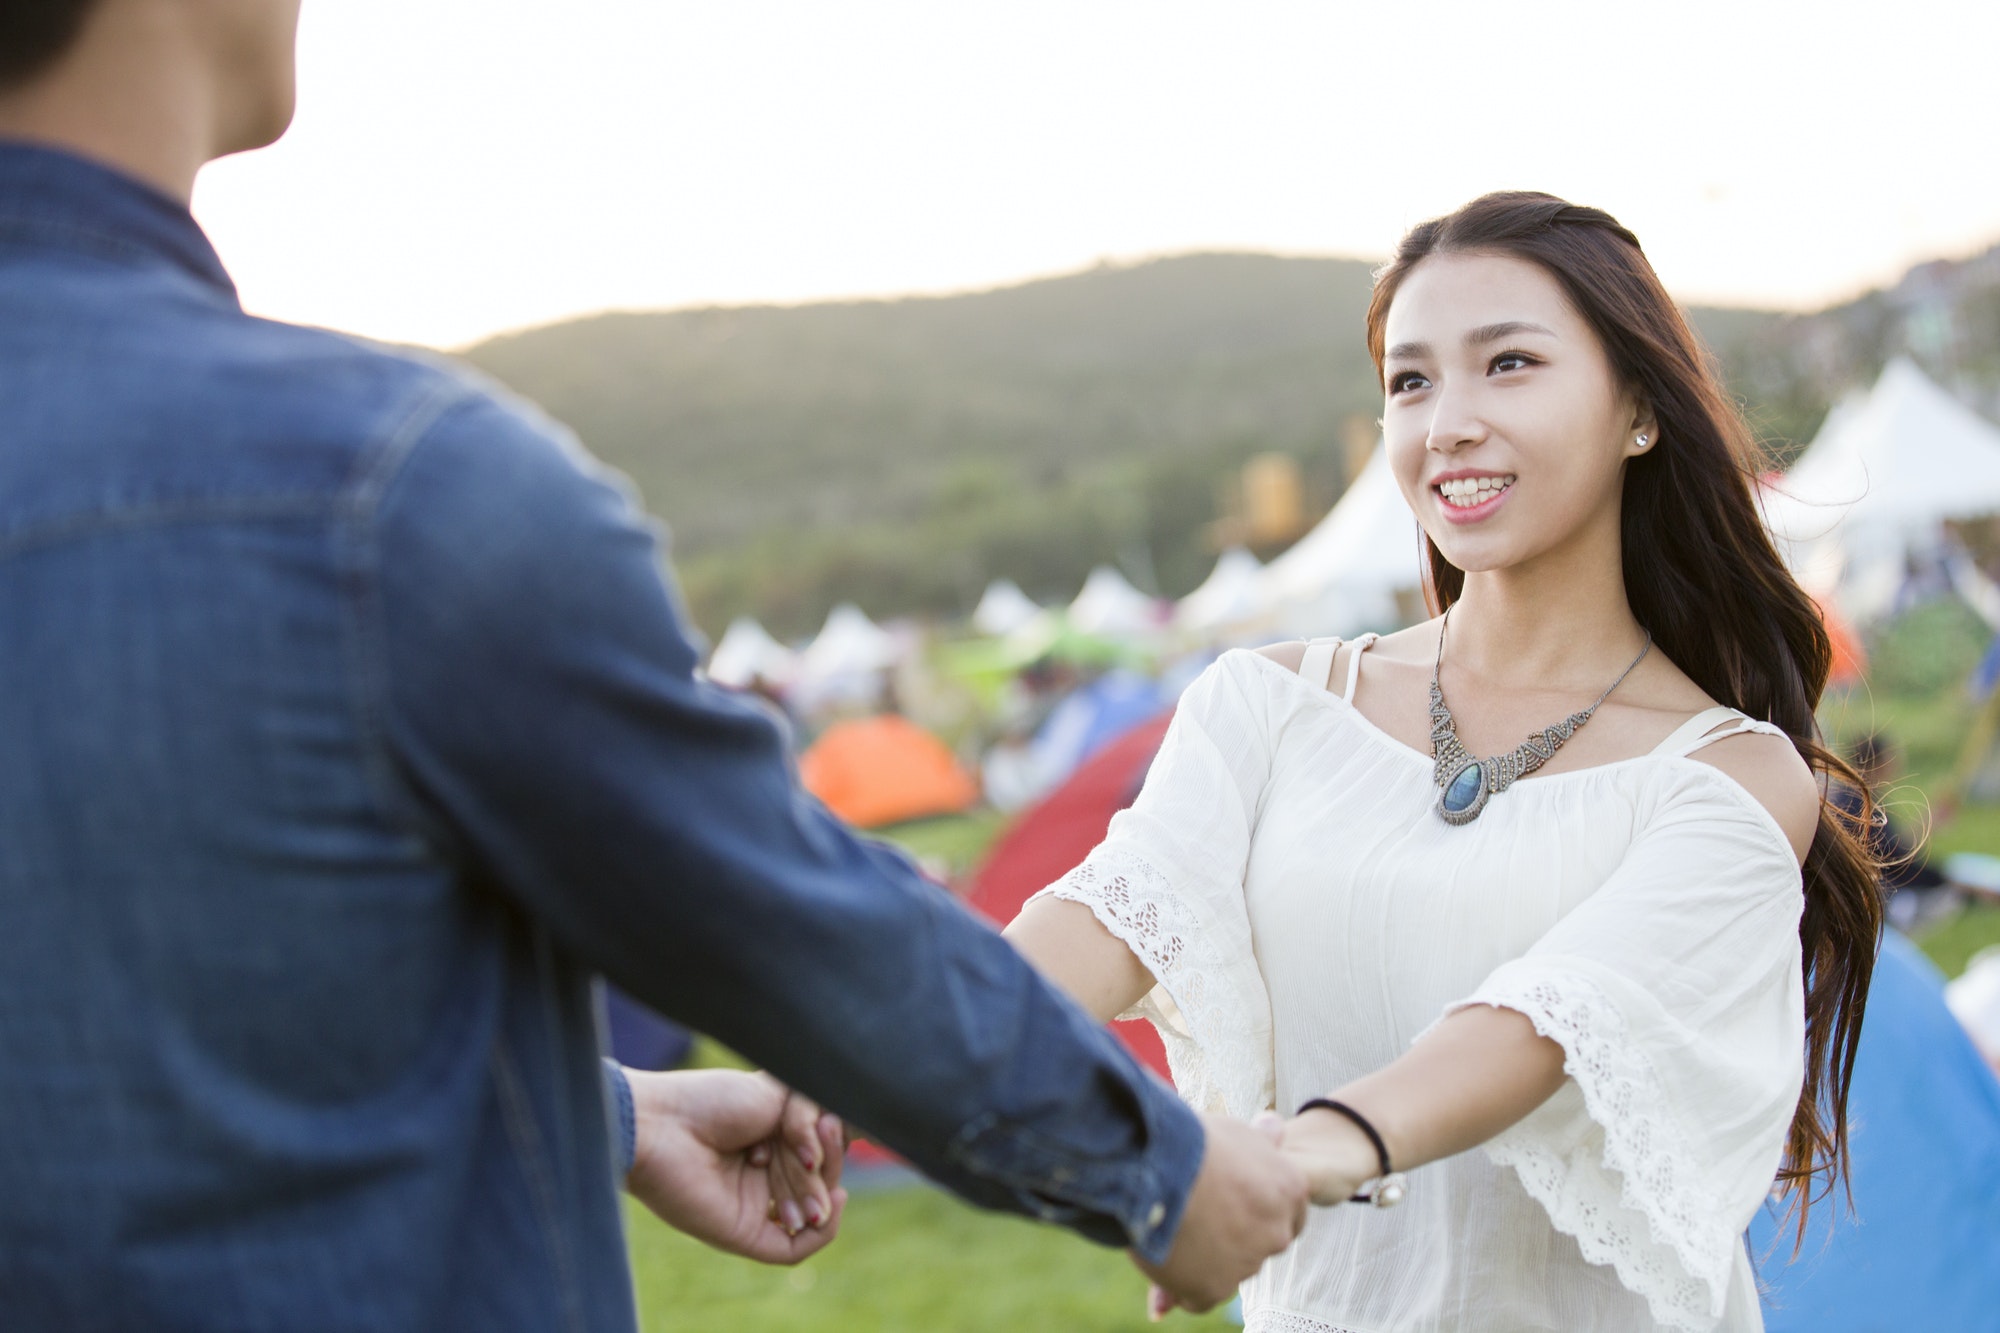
(1665, 1235)
(1139, 905)
(1284, 1321)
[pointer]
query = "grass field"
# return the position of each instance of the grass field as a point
(914, 1259)
(909, 1260)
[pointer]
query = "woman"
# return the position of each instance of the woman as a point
(1635, 975)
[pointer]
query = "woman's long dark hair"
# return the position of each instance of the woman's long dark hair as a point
(1702, 574)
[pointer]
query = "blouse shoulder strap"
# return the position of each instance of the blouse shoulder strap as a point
(1317, 664)
(1700, 730)
(1361, 645)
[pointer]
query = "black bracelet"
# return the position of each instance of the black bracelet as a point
(1389, 1184)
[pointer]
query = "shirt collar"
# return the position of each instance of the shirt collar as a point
(53, 198)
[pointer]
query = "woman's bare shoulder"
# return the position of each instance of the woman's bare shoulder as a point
(1289, 654)
(1415, 643)
(1772, 771)
(1766, 766)
(1412, 644)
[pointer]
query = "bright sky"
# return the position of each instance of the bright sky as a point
(460, 167)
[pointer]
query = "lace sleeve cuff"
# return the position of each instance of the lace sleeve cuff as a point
(1209, 1005)
(1626, 1184)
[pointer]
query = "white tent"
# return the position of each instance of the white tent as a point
(848, 663)
(1226, 596)
(1003, 609)
(848, 642)
(1109, 605)
(1871, 491)
(748, 653)
(1344, 576)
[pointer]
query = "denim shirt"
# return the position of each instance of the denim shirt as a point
(348, 732)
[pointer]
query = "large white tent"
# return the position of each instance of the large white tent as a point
(1346, 575)
(1226, 596)
(1109, 605)
(1871, 492)
(848, 663)
(849, 641)
(748, 654)
(1003, 609)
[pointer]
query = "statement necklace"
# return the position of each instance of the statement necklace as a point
(1464, 782)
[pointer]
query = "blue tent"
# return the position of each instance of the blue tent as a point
(1091, 718)
(1987, 674)
(1922, 1248)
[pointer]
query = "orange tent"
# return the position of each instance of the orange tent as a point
(884, 770)
(1850, 659)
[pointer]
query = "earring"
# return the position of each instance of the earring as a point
(1641, 441)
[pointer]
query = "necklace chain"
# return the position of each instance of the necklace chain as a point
(1450, 758)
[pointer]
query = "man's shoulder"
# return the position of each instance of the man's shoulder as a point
(344, 374)
(365, 404)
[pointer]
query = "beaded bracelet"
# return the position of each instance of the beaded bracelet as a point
(1390, 1185)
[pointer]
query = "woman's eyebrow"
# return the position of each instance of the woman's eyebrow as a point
(1479, 337)
(1493, 333)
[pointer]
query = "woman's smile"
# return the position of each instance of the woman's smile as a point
(1468, 497)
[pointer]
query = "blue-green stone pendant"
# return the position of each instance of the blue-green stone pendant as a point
(1464, 794)
(1465, 782)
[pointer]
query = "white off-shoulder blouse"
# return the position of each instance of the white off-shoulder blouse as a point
(1308, 915)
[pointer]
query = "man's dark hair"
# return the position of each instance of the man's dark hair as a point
(34, 34)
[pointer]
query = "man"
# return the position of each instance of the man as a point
(350, 732)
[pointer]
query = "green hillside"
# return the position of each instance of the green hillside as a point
(738, 420)
(901, 453)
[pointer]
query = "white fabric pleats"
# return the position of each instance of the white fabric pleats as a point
(1307, 916)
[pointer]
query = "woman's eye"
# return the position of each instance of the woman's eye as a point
(1405, 382)
(1512, 361)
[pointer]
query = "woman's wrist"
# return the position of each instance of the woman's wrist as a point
(1335, 1154)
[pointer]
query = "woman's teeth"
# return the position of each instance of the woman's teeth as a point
(1466, 492)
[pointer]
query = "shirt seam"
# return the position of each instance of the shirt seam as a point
(360, 564)
(519, 1114)
(80, 524)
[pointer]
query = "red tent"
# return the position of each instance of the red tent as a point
(1052, 838)
(1046, 843)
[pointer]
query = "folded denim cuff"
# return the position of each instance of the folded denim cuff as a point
(618, 1092)
(1134, 1201)
(1176, 1147)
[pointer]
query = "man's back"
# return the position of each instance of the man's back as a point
(251, 1007)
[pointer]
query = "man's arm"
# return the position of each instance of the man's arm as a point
(540, 694)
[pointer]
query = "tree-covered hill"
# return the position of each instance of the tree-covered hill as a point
(735, 421)
(902, 452)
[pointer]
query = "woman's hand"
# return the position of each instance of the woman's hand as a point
(1335, 1155)
(804, 1158)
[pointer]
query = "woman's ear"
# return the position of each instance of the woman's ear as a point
(1643, 435)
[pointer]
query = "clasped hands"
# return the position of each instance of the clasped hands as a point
(742, 1163)
(1250, 1198)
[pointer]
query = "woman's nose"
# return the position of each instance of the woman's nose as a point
(1454, 423)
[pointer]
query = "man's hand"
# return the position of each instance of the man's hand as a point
(737, 1161)
(1248, 1203)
